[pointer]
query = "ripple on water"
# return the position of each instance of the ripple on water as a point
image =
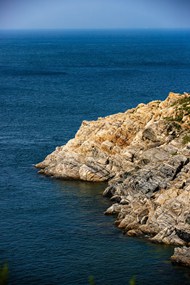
(54, 232)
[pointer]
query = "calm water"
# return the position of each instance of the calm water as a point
(54, 232)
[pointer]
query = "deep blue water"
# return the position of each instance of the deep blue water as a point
(51, 231)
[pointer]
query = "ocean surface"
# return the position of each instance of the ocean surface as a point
(54, 232)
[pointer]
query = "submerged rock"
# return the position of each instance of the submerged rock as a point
(144, 155)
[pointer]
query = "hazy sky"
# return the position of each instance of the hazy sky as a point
(29, 14)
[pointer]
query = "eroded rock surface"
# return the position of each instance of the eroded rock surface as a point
(181, 256)
(144, 154)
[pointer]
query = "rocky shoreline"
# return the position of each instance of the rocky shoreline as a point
(144, 154)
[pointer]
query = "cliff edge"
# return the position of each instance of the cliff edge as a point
(144, 154)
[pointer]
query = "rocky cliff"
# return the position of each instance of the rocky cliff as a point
(144, 154)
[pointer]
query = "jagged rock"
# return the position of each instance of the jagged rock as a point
(149, 134)
(109, 191)
(112, 144)
(116, 199)
(183, 235)
(144, 155)
(181, 256)
(114, 209)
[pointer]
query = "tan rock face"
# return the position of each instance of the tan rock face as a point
(144, 155)
(110, 139)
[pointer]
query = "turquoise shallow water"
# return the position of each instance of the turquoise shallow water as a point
(54, 232)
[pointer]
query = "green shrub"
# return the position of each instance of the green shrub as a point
(91, 280)
(4, 272)
(186, 139)
(182, 108)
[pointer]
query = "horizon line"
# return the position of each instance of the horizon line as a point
(96, 29)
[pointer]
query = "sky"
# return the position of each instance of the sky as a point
(94, 14)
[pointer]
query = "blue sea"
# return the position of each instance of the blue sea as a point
(54, 232)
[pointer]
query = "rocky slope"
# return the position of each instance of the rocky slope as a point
(144, 154)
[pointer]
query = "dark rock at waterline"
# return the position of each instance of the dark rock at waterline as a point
(183, 235)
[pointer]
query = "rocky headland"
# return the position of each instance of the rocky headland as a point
(144, 155)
